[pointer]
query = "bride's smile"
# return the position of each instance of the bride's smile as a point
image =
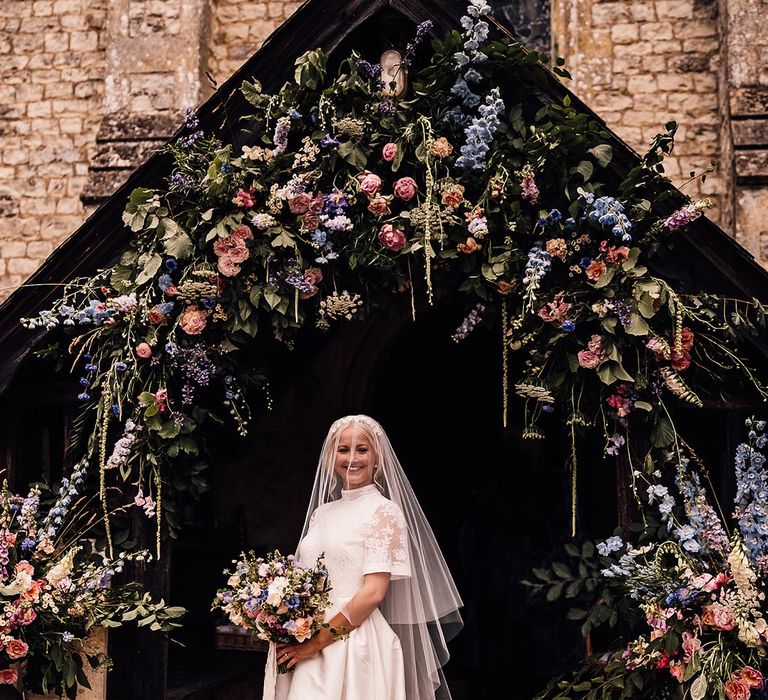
(355, 458)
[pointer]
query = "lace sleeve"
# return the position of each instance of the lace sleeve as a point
(386, 543)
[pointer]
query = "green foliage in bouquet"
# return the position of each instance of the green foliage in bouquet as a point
(689, 599)
(55, 588)
(346, 196)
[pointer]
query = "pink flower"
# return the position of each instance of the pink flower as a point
(233, 246)
(588, 360)
(441, 148)
(595, 269)
(717, 615)
(379, 204)
(300, 203)
(453, 195)
(370, 184)
(391, 238)
(244, 199)
(144, 351)
(389, 152)
(241, 233)
(686, 338)
(677, 671)
(193, 320)
(736, 690)
(530, 192)
(691, 644)
(9, 676)
(556, 311)
(681, 360)
(617, 255)
(557, 248)
(405, 188)
(313, 276)
(227, 266)
(16, 649)
(25, 567)
(595, 344)
(751, 677)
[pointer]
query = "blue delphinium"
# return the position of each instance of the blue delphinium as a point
(710, 534)
(70, 487)
(609, 212)
(480, 133)
(475, 33)
(752, 494)
(539, 263)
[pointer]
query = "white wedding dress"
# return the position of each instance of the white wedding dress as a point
(361, 533)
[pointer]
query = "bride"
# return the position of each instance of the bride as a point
(393, 601)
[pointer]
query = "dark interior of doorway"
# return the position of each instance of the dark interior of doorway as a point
(498, 504)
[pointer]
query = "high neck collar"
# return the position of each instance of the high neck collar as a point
(353, 494)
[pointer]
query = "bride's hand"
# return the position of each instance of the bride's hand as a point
(290, 654)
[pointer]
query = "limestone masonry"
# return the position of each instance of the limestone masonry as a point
(88, 88)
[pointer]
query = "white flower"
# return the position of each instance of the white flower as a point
(275, 590)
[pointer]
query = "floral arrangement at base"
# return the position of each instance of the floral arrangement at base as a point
(275, 598)
(695, 588)
(55, 588)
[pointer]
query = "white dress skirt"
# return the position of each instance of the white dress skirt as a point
(361, 533)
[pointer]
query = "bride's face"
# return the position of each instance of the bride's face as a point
(355, 458)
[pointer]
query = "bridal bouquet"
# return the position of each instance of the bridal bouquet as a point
(54, 588)
(698, 594)
(274, 597)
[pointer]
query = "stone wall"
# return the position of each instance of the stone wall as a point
(641, 64)
(88, 88)
(52, 68)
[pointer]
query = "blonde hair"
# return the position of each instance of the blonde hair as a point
(370, 430)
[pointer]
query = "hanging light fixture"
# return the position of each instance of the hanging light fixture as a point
(393, 73)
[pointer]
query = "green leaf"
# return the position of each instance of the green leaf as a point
(554, 592)
(643, 405)
(585, 169)
(605, 278)
(179, 246)
(663, 433)
(149, 264)
(699, 688)
(603, 154)
(637, 325)
(561, 570)
(271, 298)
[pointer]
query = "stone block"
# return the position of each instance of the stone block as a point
(275, 10)
(655, 31)
(674, 9)
(690, 63)
(624, 33)
(642, 11)
(83, 42)
(41, 60)
(654, 64)
(22, 266)
(42, 8)
(749, 100)
(667, 46)
(70, 125)
(60, 90)
(641, 84)
(68, 7)
(705, 46)
(39, 249)
(750, 132)
(15, 156)
(676, 82)
(609, 13)
(695, 29)
(68, 206)
(87, 88)
(252, 11)
(56, 42)
(635, 117)
(13, 249)
(751, 165)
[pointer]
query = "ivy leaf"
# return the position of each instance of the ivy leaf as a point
(149, 264)
(603, 154)
(585, 169)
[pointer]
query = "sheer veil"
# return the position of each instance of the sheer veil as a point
(423, 609)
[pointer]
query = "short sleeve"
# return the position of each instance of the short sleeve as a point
(386, 543)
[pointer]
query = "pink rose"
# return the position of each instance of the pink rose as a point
(686, 338)
(241, 233)
(300, 203)
(9, 676)
(303, 628)
(392, 238)
(379, 204)
(244, 199)
(16, 649)
(25, 567)
(677, 671)
(389, 152)
(309, 222)
(595, 269)
(752, 678)
(369, 183)
(238, 254)
(405, 188)
(313, 276)
(227, 266)
(588, 359)
(736, 690)
(691, 644)
(453, 195)
(193, 320)
(144, 351)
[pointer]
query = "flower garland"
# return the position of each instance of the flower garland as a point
(341, 191)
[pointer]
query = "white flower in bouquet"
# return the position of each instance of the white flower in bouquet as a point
(275, 590)
(63, 569)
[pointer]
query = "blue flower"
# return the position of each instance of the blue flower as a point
(115, 409)
(120, 366)
(90, 367)
(84, 382)
(83, 397)
(612, 544)
(164, 282)
(568, 326)
(171, 264)
(294, 113)
(329, 142)
(547, 408)
(209, 303)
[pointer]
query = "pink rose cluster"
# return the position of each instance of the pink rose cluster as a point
(405, 189)
(232, 250)
(741, 684)
(593, 355)
(308, 208)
